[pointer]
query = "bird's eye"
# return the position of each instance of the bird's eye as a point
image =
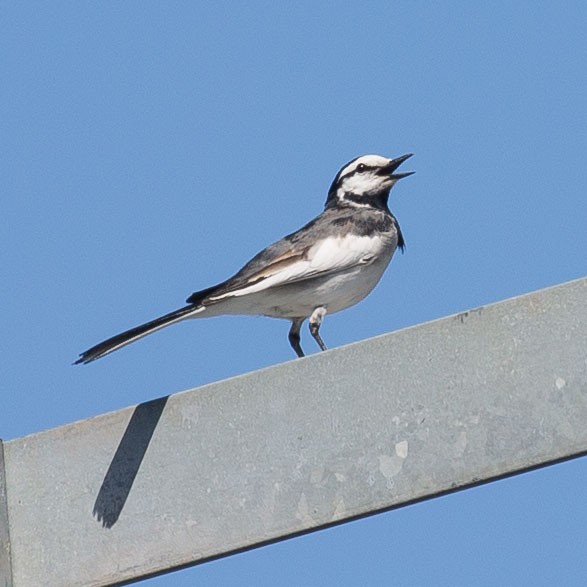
(361, 167)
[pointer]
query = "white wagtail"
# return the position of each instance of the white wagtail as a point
(328, 265)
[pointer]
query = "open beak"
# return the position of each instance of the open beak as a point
(395, 163)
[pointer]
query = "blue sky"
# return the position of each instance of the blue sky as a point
(149, 149)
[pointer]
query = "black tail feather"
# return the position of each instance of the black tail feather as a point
(133, 334)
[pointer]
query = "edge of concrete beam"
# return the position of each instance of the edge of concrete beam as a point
(5, 564)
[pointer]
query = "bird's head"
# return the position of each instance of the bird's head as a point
(366, 181)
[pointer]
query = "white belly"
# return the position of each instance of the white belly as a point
(335, 292)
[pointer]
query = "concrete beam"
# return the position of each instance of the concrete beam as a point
(300, 446)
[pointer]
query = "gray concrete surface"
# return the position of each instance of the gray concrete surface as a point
(301, 445)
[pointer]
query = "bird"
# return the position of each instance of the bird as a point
(328, 265)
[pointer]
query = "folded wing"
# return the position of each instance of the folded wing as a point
(279, 265)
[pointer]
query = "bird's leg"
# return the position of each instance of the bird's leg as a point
(315, 322)
(294, 336)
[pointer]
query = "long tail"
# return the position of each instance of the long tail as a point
(124, 338)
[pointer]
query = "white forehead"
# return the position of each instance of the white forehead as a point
(369, 160)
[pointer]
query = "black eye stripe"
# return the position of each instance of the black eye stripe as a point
(361, 168)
